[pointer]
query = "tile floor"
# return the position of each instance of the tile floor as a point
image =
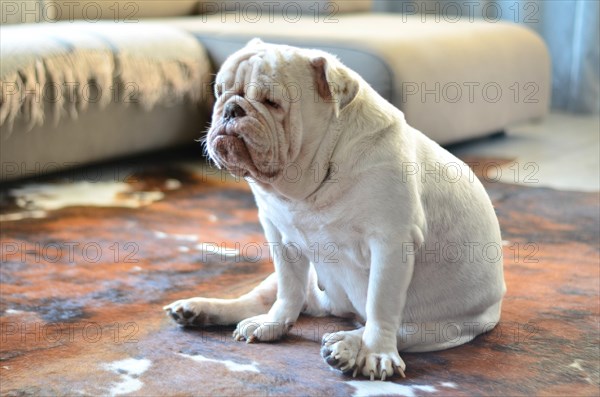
(561, 151)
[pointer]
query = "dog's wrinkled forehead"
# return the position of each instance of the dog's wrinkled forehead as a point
(256, 67)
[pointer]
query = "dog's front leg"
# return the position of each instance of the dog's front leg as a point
(292, 269)
(390, 274)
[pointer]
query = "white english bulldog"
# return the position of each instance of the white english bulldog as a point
(365, 216)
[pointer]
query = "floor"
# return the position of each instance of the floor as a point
(562, 151)
(86, 268)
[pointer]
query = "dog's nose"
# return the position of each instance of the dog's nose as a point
(232, 111)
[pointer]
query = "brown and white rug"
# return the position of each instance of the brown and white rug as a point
(87, 264)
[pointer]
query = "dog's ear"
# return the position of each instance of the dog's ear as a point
(254, 42)
(333, 84)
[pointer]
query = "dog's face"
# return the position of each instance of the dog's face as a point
(273, 104)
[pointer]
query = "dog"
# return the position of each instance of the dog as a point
(410, 243)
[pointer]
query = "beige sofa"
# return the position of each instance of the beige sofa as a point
(453, 80)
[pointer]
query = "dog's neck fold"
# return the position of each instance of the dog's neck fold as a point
(304, 175)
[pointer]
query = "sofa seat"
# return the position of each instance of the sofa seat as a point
(453, 81)
(75, 93)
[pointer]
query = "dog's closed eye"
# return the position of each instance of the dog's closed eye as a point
(271, 103)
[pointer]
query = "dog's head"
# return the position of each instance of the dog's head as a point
(274, 106)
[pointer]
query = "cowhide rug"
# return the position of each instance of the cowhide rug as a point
(88, 261)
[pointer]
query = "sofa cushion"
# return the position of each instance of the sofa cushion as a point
(46, 65)
(453, 80)
(118, 72)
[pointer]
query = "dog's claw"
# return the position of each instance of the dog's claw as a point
(237, 336)
(372, 375)
(383, 375)
(400, 371)
(355, 372)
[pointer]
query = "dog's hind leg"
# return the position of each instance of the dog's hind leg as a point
(201, 312)
(317, 302)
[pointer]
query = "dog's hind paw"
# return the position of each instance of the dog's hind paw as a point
(194, 312)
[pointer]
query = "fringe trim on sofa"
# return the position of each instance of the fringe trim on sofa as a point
(69, 83)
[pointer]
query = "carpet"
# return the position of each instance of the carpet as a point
(88, 263)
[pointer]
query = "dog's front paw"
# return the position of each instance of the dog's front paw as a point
(380, 365)
(190, 312)
(260, 329)
(340, 349)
